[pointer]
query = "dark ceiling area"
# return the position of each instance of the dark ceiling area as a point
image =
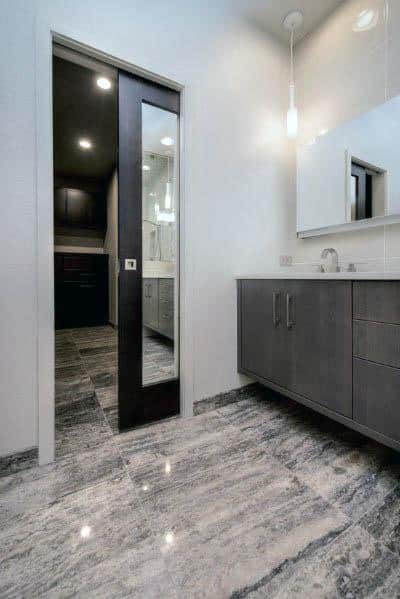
(83, 111)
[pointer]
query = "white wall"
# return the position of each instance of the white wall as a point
(18, 325)
(111, 248)
(236, 185)
(340, 75)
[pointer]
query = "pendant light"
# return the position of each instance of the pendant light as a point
(168, 189)
(293, 21)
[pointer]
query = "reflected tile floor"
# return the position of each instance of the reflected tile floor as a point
(259, 498)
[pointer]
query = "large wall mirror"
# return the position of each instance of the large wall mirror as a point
(350, 178)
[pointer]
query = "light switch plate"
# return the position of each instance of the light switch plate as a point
(130, 264)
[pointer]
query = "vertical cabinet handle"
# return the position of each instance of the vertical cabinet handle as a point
(276, 319)
(290, 321)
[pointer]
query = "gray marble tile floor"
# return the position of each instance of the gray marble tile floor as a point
(260, 498)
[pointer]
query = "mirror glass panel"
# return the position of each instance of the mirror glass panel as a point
(351, 173)
(160, 245)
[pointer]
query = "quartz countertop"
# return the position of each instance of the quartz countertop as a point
(157, 276)
(347, 276)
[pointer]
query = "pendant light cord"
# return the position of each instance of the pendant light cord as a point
(291, 57)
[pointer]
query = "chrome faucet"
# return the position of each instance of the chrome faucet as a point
(332, 264)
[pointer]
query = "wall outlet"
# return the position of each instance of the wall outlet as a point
(285, 260)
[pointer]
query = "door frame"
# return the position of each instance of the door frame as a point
(45, 390)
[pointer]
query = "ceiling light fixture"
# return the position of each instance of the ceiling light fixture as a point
(145, 167)
(292, 21)
(167, 141)
(365, 20)
(85, 144)
(104, 83)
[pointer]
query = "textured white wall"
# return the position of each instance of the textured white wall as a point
(340, 75)
(236, 184)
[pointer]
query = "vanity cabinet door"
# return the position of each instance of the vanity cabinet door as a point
(265, 344)
(150, 303)
(321, 312)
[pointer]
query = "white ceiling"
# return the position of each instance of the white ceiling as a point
(268, 15)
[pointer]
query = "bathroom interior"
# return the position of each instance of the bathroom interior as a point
(204, 292)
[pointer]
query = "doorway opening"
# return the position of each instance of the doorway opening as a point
(116, 259)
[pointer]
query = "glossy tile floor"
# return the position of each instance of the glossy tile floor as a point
(259, 498)
(87, 362)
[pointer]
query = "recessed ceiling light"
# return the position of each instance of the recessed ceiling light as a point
(104, 83)
(85, 144)
(365, 20)
(145, 167)
(167, 141)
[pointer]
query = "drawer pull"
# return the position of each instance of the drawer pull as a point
(290, 321)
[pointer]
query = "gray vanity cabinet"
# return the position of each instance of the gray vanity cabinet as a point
(266, 345)
(298, 336)
(158, 305)
(150, 303)
(166, 307)
(376, 349)
(321, 313)
(333, 345)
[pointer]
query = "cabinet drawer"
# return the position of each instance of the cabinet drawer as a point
(376, 400)
(377, 341)
(377, 300)
(166, 287)
(166, 305)
(166, 323)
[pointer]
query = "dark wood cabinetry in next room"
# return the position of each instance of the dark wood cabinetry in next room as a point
(81, 289)
(79, 210)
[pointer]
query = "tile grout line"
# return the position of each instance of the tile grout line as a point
(142, 510)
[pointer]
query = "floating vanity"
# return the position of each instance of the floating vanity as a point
(329, 341)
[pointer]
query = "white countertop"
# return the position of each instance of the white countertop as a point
(157, 276)
(349, 276)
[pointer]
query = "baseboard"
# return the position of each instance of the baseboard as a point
(222, 399)
(15, 462)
